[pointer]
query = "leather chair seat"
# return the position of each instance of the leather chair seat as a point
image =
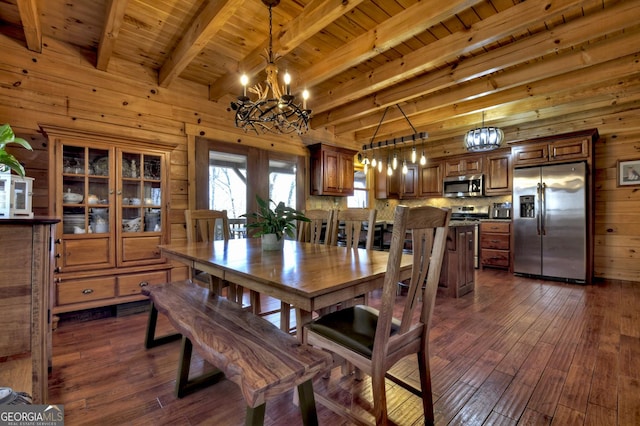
(353, 327)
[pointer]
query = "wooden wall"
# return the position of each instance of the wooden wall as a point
(61, 87)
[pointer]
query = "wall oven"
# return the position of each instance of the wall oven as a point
(463, 186)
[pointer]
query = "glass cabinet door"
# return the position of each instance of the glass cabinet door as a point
(85, 190)
(141, 192)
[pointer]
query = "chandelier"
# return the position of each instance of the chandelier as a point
(483, 138)
(275, 109)
(392, 161)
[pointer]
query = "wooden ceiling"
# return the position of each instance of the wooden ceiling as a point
(444, 62)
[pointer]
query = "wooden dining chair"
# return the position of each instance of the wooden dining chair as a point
(204, 226)
(353, 220)
(312, 232)
(373, 340)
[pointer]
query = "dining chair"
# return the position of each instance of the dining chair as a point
(374, 340)
(353, 220)
(319, 229)
(204, 226)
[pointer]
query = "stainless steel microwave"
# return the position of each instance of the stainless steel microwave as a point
(464, 186)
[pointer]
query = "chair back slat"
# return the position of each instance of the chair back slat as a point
(311, 232)
(428, 228)
(353, 220)
(206, 225)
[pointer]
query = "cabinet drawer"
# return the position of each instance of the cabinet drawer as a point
(495, 258)
(85, 290)
(499, 227)
(494, 241)
(132, 284)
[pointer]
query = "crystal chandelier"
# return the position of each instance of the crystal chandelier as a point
(483, 138)
(275, 109)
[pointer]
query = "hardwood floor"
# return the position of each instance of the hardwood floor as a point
(515, 351)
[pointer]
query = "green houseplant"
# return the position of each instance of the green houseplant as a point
(279, 221)
(8, 161)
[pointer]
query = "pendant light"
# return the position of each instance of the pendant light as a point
(483, 138)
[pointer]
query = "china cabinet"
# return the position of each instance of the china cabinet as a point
(112, 198)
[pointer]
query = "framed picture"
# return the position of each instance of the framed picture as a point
(629, 172)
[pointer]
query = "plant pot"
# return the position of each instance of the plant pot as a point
(270, 242)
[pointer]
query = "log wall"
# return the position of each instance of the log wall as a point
(61, 87)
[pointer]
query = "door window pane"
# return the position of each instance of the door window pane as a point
(282, 182)
(360, 197)
(228, 183)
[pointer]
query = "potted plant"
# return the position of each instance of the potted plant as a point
(273, 224)
(8, 161)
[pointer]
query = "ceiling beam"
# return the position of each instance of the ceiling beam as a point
(315, 16)
(438, 53)
(204, 27)
(527, 50)
(599, 80)
(388, 34)
(114, 17)
(31, 25)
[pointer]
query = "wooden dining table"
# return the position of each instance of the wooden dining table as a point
(307, 276)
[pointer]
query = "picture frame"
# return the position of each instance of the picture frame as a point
(629, 172)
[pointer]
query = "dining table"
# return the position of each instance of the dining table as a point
(307, 276)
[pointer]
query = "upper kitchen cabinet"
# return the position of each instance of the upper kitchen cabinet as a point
(399, 185)
(331, 170)
(112, 197)
(463, 165)
(498, 172)
(557, 149)
(430, 176)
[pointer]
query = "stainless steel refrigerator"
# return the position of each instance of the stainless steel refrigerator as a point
(550, 221)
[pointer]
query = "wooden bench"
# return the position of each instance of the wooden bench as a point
(246, 349)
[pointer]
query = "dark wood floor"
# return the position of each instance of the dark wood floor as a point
(516, 351)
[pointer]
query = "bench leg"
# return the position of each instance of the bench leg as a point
(184, 386)
(255, 416)
(307, 404)
(151, 341)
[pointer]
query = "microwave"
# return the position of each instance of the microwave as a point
(464, 186)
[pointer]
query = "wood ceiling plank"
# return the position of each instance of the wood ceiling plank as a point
(31, 24)
(492, 28)
(206, 25)
(388, 34)
(115, 15)
(316, 16)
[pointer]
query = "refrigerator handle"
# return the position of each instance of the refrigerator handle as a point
(543, 208)
(539, 213)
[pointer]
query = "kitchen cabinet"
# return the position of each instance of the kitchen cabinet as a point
(399, 185)
(552, 151)
(458, 271)
(112, 198)
(469, 164)
(498, 172)
(431, 179)
(331, 170)
(495, 243)
(26, 256)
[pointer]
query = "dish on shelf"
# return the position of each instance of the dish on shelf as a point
(101, 166)
(72, 197)
(132, 225)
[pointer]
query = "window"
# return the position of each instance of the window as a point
(360, 197)
(282, 182)
(228, 183)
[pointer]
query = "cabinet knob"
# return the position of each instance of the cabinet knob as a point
(58, 241)
(143, 284)
(58, 256)
(57, 269)
(87, 291)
